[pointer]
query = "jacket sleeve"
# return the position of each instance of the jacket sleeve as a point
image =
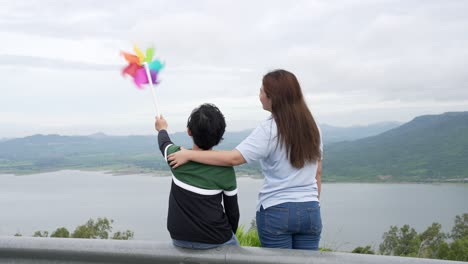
(164, 141)
(231, 208)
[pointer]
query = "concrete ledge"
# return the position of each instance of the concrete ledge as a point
(64, 250)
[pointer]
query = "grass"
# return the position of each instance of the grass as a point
(249, 238)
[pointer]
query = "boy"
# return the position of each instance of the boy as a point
(196, 217)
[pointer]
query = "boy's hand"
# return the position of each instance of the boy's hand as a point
(160, 123)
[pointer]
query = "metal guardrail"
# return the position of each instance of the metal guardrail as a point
(26, 250)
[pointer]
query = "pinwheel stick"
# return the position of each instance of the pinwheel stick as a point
(155, 100)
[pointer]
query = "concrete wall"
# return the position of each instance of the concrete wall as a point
(62, 250)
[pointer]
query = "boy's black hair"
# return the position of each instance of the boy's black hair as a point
(207, 125)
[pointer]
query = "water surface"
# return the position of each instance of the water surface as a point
(353, 214)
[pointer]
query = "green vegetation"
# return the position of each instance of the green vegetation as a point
(127, 235)
(249, 238)
(363, 250)
(41, 234)
(92, 229)
(60, 232)
(429, 148)
(432, 243)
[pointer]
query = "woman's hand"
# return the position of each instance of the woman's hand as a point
(179, 158)
(209, 157)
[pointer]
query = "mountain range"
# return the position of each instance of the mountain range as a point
(431, 147)
(428, 148)
(333, 134)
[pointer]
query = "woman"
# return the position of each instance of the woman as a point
(288, 146)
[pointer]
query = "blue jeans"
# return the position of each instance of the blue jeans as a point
(290, 225)
(196, 245)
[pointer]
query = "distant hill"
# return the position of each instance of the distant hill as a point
(53, 152)
(333, 134)
(39, 153)
(431, 147)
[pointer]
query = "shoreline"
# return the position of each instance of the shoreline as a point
(166, 173)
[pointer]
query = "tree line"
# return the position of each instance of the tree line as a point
(92, 229)
(431, 243)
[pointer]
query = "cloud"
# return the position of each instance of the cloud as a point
(350, 56)
(56, 64)
(68, 19)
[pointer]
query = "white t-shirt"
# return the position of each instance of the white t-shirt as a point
(282, 182)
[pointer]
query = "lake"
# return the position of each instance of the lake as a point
(353, 214)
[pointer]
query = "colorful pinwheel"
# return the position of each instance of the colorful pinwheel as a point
(143, 69)
(139, 65)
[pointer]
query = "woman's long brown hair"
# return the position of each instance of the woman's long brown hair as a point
(297, 130)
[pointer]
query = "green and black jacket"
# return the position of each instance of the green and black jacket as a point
(198, 192)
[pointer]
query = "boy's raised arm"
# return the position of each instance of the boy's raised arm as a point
(163, 137)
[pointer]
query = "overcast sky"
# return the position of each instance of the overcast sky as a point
(358, 61)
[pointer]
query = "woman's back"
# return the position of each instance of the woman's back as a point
(283, 182)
